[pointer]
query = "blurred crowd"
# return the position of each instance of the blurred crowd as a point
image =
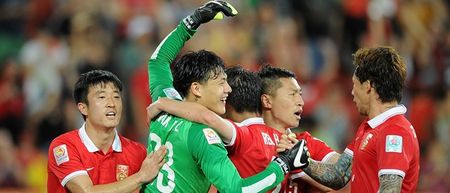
(46, 44)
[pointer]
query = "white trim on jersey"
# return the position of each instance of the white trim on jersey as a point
(328, 156)
(116, 146)
(381, 118)
(348, 151)
(233, 137)
(298, 175)
(251, 121)
(73, 175)
(391, 171)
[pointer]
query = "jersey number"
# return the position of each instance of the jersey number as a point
(166, 167)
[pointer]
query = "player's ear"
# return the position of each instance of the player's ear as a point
(83, 108)
(367, 86)
(266, 101)
(196, 89)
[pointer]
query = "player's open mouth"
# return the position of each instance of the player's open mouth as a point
(298, 115)
(111, 114)
(224, 100)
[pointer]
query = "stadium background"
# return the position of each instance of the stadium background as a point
(46, 44)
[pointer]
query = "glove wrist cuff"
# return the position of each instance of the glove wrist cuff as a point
(190, 23)
(283, 165)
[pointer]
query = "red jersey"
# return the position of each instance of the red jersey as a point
(386, 144)
(73, 154)
(319, 151)
(254, 146)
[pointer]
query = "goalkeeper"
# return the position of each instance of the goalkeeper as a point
(196, 156)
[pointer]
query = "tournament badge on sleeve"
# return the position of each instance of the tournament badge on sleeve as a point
(394, 143)
(211, 136)
(61, 154)
(121, 172)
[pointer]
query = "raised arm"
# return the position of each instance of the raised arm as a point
(193, 112)
(160, 76)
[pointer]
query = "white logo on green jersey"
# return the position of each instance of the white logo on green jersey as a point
(211, 136)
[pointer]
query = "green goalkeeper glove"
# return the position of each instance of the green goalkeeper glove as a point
(209, 11)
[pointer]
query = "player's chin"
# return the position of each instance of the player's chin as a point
(112, 123)
(220, 109)
(294, 123)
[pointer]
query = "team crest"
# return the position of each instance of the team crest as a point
(394, 143)
(61, 154)
(366, 141)
(211, 136)
(121, 172)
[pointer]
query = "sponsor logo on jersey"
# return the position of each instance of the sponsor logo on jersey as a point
(172, 93)
(61, 154)
(267, 139)
(121, 172)
(394, 143)
(366, 141)
(211, 136)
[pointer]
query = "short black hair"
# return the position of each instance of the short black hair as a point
(246, 86)
(270, 77)
(197, 66)
(385, 70)
(90, 79)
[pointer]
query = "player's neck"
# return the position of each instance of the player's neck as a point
(101, 137)
(272, 122)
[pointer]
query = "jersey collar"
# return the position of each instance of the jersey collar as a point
(116, 145)
(381, 118)
(251, 121)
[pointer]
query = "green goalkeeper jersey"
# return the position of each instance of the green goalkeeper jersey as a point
(195, 155)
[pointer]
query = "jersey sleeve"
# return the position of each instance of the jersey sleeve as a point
(395, 151)
(160, 76)
(64, 161)
(318, 149)
(141, 152)
(207, 149)
(239, 139)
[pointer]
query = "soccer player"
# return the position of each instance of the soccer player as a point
(252, 144)
(282, 106)
(384, 154)
(196, 156)
(95, 158)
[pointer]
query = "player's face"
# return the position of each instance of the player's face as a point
(105, 106)
(360, 96)
(287, 103)
(214, 93)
